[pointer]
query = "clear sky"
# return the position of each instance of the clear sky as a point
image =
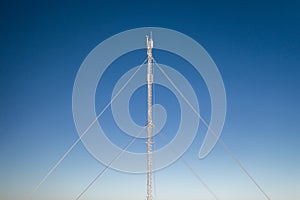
(255, 44)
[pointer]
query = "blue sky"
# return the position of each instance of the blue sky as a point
(256, 46)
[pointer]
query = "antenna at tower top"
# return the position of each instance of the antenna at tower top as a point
(149, 41)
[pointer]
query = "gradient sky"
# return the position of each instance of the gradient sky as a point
(255, 44)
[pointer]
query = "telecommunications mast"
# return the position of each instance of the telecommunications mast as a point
(149, 42)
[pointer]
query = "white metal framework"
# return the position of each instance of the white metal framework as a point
(149, 42)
